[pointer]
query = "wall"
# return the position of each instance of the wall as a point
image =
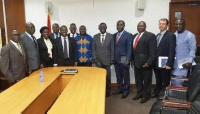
(92, 12)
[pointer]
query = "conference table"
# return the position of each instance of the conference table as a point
(81, 93)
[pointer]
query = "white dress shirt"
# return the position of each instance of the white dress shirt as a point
(17, 45)
(102, 36)
(137, 36)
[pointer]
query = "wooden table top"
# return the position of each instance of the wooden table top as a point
(86, 89)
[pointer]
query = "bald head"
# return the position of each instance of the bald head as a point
(141, 27)
(30, 28)
(180, 25)
(15, 36)
(55, 28)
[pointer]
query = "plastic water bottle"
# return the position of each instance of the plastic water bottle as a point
(41, 76)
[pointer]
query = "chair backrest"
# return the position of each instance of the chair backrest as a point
(195, 108)
(193, 89)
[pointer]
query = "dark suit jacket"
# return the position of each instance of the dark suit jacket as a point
(52, 36)
(59, 56)
(12, 63)
(167, 48)
(104, 54)
(43, 51)
(145, 51)
(123, 48)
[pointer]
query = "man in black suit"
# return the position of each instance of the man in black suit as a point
(56, 33)
(73, 29)
(144, 52)
(123, 40)
(65, 49)
(166, 43)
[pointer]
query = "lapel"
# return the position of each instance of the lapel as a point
(106, 40)
(121, 37)
(140, 40)
(163, 39)
(31, 40)
(60, 43)
(43, 43)
(15, 48)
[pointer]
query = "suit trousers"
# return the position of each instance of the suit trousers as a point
(123, 77)
(163, 78)
(108, 78)
(143, 80)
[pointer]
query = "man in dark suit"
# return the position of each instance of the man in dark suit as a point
(103, 52)
(56, 33)
(65, 49)
(144, 52)
(13, 59)
(166, 43)
(122, 57)
(73, 29)
(31, 47)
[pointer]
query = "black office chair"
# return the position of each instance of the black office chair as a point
(180, 93)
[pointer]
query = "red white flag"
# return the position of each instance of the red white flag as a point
(49, 22)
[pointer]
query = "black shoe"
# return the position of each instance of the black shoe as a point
(153, 95)
(144, 100)
(117, 92)
(124, 95)
(136, 97)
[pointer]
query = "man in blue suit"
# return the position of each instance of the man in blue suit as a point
(123, 48)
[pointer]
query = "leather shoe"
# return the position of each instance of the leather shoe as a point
(116, 92)
(153, 95)
(136, 97)
(124, 95)
(144, 100)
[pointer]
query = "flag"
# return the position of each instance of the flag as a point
(49, 22)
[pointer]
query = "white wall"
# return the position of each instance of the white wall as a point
(84, 12)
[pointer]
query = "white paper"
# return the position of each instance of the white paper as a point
(162, 60)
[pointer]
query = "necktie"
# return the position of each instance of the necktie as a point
(19, 48)
(72, 35)
(102, 40)
(158, 39)
(34, 40)
(136, 41)
(117, 38)
(56, 35)
(65, 49)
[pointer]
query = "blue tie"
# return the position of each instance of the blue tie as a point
(66, 56)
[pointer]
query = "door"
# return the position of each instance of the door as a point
(190, 12)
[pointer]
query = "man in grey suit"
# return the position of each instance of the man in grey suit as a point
(13, 59)
(31, 47)
(56, 33)
(103, 52)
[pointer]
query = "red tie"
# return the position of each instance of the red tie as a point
(136, 41)
(117, 38)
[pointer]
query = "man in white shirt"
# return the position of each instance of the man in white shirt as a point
(73, 32)
(13, 59)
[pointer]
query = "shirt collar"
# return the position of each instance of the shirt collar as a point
(64, 37)
(103, 34)
(16, 44)
(28, 34)
(121, 32)
(163, 32)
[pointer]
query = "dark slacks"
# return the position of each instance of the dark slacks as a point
(123, 77)
(65, 62)
(143, 80)
(48, 63)
(163, 78)
(108, 78)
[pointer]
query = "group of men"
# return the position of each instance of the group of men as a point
(142, 51)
